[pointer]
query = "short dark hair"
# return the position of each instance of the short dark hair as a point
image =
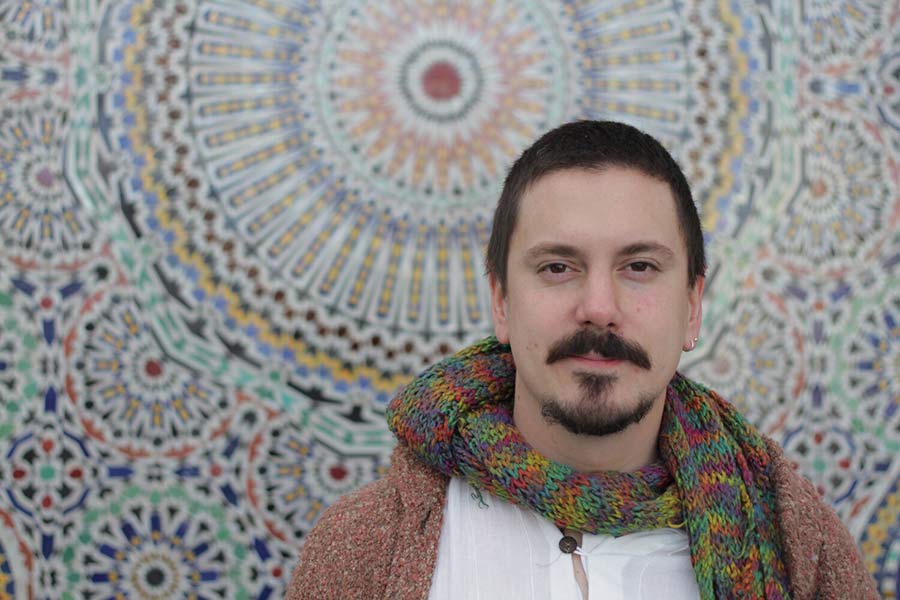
(593, 145)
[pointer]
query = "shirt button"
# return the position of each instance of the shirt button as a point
(568, 544)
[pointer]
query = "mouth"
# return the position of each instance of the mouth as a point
(596, 360)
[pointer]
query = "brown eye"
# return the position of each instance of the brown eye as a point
(557, 268)
(641, 267)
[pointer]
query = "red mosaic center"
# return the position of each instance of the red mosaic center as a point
(338, 472)
(45, 177)
(441, 81)
(818, 187)
(153, 368)
(722, 366)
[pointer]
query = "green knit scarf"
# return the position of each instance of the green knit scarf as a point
(713, 476)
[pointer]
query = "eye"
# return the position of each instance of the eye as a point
(641, 266)
(555, 268)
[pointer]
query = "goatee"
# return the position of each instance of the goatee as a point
(591, 414)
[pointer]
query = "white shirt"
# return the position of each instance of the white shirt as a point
(492, 549)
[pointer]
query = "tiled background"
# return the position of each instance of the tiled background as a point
(230, 230)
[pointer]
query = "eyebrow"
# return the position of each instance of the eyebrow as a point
(551, 249)
(648, 248)
(568, 251)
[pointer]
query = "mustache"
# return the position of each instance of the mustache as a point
(604, 343)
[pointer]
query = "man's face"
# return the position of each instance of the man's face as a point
(597, 306)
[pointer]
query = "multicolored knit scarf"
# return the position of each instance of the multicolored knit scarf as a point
(713, 475)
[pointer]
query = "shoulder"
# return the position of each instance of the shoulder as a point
(350, 539)
(360, 516)
(353, 547)
(822, 557)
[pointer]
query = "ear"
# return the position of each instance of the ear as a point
(499, 310)
(695, 312)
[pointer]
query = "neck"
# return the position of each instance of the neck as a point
(625, 451)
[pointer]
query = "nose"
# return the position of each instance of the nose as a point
(599, 302)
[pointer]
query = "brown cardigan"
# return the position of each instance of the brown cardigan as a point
(381, 541)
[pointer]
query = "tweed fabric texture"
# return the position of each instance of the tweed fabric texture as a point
(377, 543)
(713, 474)
(381, 541)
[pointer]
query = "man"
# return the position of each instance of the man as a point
(566, 458)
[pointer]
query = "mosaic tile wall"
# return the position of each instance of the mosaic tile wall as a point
(230, 230)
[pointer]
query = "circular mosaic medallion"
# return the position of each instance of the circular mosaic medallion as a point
(128, 391)
(39, 217)
(48, 474)
(293, 476)
(151, 545)
(841, 212)
(430, 105)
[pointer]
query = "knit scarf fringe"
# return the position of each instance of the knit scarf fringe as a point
(713, 476)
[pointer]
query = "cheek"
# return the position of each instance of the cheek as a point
(659, 320)
(649, 307)
(537, 309)
(532, 327)
(659, 304)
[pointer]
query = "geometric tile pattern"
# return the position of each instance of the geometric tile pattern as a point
(230, 230)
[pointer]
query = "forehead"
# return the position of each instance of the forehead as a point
(614, 204)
